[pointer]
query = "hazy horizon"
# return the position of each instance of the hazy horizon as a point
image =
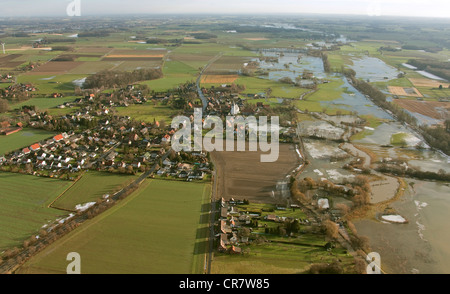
(55, 8)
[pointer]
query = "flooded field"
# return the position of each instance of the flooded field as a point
(373, 69)
(353, 100)
(291, 65)
(421, 245)
(383, 134)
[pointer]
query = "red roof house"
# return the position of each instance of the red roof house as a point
(35, 147)
(58, 138)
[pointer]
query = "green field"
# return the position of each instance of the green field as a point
(255, 85)
(158, 229)
(148, 112)
(92, 186)
(277, 258)
(24, 206)
(44, 103)
(327, 92)
(22, 139)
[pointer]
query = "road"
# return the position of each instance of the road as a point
(199, 89)
(212, 218)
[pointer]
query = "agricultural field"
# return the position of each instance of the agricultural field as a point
(157, 229)
(24, 206)
(401, 91)
(22, 139)
(433, 109)
(91, 187)
(241, 175)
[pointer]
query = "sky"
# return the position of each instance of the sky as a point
(423, 8)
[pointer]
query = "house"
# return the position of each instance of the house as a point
(223, 213)
(223, 241)
(235, 250)
(224, 228)
(271, 217)
(183, 174)
(198, 175)
(165, 139)
(35, 147)
(58, 138)
(26, 151)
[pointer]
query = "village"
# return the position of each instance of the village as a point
(97, 140)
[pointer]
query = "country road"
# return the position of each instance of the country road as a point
(199, 89)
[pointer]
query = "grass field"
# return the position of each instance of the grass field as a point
(327, 92)
(148, 112)
(44, 103)
(255, 85)
(159, 229)
(92, 186)
(22, 139)
(24, 200)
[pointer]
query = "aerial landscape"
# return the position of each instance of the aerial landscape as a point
(323, 142)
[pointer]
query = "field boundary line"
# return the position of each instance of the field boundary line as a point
(64, 192)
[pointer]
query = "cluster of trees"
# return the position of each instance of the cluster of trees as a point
(441, 69)
(4, 105)
(389, 48)
(62, 48)
(46, 40)
(204, 36)
(110, 79)
(285, 228)
(324, 268)
(326, 62)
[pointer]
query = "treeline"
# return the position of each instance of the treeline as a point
(441, 69)
(109, 79)
(324, 56)
(397, 170)
(204, 36)
(379, 98)
(437, 137)
(60, 40)
(428, 49)
(62, 48)
(97, 34)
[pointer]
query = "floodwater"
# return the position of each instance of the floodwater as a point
(429, 75)
(291, 65)
(373, 69)
(353, 100)
(79, 82)
(421, 245)
(383, 133)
